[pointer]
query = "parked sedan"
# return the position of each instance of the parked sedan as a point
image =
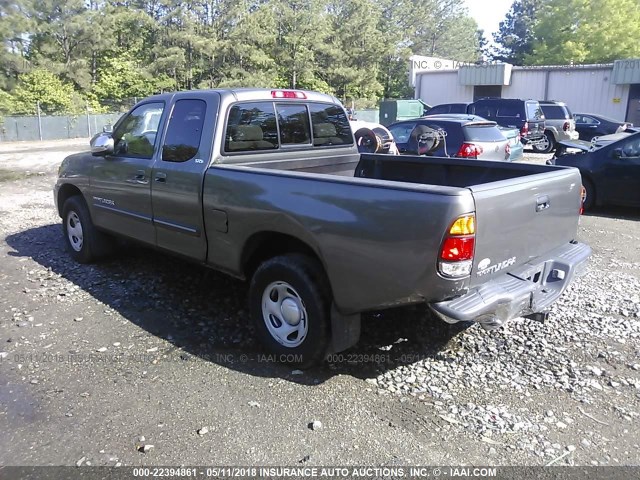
(610, 170)
(590, 125)
(463, 136)
(511, 134)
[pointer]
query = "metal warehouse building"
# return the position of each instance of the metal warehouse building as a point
(612, 89)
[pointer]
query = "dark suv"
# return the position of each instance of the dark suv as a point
(559, 125)
(525, 115)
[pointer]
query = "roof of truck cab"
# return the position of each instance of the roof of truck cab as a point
(247, 94)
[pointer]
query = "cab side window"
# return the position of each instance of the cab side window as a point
(136, 135)
(251, 127)
(184, 132)
(330, 125)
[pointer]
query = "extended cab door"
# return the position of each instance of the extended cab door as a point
(120, 183)
(178, 175)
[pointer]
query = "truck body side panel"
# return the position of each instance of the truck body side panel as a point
(378, 241)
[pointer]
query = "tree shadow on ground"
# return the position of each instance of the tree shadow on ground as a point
(203, 313)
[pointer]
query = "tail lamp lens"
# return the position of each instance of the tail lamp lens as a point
(456, 254)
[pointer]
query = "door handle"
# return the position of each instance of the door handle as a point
(140, 177)
(542, 203)
(161, 177)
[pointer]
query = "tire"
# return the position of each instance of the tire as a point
(290, 305)
(368, 141)
(548, 145)
(590, 191)
(84, 242)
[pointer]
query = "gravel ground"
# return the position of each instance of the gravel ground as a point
(144, 350)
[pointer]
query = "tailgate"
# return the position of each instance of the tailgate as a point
(536, 129)
(523, 218)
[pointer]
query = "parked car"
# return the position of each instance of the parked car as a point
(590, 125)
(463, 136)
(269, 186)
(515, 144)
(373, 138)
(524, 115)
(558, 125)
(610, 171)
(511, 134)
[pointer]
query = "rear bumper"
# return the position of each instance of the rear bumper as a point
(567, 136)
(528, 290)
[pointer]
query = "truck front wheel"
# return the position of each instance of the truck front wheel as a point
(290, 305)
(84, 242)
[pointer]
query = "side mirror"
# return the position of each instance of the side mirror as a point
(108, 128)
(617, 153)
(102, 144)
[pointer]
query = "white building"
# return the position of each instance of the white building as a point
(612, 89)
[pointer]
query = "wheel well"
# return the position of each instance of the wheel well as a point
(265, 245)
(66, 191)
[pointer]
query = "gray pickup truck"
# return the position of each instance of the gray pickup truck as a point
(269, 186)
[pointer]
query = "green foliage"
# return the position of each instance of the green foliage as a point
(6, 103)
(111, 51)
(44, 87)
(119, 78)
(514, 38)
(582, 31)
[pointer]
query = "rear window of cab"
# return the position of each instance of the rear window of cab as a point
(267, 125)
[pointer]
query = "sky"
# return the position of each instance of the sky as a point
(488, 14)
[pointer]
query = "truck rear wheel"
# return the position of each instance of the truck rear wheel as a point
(84, 242)
(290, 306)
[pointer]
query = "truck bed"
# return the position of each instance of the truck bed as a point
(379, 221)
(441, 171)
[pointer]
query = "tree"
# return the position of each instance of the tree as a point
(350, 58)
(44, 87)
(580, 31)
(514, 38)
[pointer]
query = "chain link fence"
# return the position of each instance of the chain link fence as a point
(21, 128)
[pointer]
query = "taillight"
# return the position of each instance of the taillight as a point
(583, 197)
(288, 94)
(566, 126)
(456, 254)
(469, 150)
(525, 129)
(507, 151)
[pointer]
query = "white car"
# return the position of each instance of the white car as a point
(373, 138)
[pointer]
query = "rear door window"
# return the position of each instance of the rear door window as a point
(251, 127)
(330, 125)
(534, 112)
(484, 110)
(509, 111)
(483, 133)
(556, 111)
(184, 132)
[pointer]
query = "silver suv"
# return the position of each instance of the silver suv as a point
(559, 125)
